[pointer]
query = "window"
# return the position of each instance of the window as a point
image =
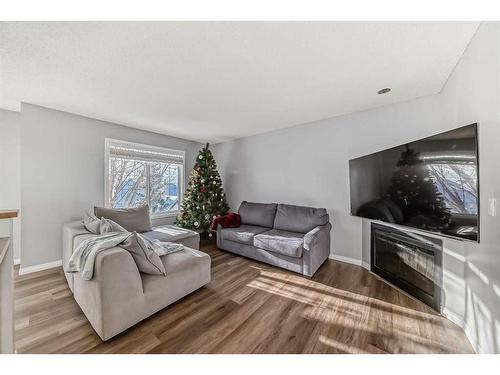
(139, 174)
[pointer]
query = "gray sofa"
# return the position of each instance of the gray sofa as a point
(119, 296)
(292, 237)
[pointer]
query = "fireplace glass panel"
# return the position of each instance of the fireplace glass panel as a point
(405, 261)
(409, 261)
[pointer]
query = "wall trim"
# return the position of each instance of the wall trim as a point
(17, 261)
(350, 260)
(458, 320)
(39, 267)
(342, 258)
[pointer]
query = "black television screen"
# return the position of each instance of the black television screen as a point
(430, 184)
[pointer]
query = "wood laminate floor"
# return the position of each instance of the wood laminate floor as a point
(248, 307)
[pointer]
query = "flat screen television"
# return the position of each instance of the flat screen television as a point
(431, 184)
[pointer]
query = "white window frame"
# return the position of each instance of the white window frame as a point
(108, 141)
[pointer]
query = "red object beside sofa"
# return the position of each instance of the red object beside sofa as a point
(231, 220)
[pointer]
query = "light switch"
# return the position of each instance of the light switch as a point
(492, 207)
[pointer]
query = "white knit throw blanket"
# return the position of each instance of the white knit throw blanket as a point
(83, 258)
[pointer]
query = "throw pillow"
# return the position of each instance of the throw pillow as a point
(92, 223)
(108, 226)
(146, 259)
(132, 219)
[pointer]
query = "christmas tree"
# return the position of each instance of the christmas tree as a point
(204, 198)
(414, 190)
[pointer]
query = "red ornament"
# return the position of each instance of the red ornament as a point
(203, 189)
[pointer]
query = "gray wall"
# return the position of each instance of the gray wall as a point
(62, 174)
(472, 94)
(308, 165)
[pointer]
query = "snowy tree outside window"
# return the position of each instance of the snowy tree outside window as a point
(140, 174)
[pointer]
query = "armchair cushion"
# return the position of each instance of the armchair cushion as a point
(281, 241)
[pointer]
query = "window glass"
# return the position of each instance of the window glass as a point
(141, 174)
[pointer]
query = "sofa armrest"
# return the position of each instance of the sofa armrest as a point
(71, 231)
(316, 248)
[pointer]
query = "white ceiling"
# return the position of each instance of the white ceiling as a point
(215, 81)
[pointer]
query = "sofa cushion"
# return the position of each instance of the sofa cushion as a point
(187, 270)
(169, 233)
(132, 219)
(181, 261)
(243, 234)
(280, 241)
(261, 214)
(298, 218)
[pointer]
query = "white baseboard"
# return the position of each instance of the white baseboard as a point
(17, 261)
(458, 320)
(40, 267)
(344, 259)
(450, 315)
(357, 262)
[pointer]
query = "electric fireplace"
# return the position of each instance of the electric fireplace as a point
(411, 261)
